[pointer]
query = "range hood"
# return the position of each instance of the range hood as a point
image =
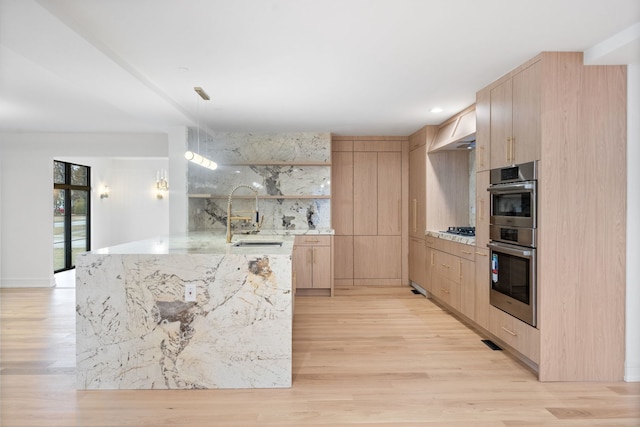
(457, 133)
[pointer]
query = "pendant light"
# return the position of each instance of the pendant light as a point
(195, 157)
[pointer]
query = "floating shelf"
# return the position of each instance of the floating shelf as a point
(266, 197)
(277, 164)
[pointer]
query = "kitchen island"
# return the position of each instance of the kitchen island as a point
(185, 312)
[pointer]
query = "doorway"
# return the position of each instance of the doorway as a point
(71, 213)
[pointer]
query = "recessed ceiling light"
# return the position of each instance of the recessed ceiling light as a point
(436, 110)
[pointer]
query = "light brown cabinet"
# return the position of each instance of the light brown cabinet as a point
(483, 130)
(368, 211)
(417, 259)
(417, 192)
(483, 209)
(515, 120)
(312, 263)
(450, 270)
(556, 110)
(482, 286)
(520, 336)
(467, 288)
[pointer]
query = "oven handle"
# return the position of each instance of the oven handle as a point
(511, 188)
(510, 250)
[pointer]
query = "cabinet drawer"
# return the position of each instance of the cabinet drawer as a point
(312, 240)
(455, 248)
(515, 333)
(465, 251)
(446, 265)
(448, 291)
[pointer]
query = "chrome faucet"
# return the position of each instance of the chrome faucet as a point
(257, 224)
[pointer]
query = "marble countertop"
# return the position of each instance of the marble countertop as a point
(453, 237)
(200, 243)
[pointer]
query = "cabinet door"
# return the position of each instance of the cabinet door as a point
(446, 265)
(417, 254)
(483, 130)
(343, 262)
(482, 209)
(467, 288)
(428, 271)
(417, 192)
(377, 257)
(342, 192)
(482, 286)
(389, 194)
(365, 193)
(501, 124)
(302, 266)
(526, 115)
(321, 266)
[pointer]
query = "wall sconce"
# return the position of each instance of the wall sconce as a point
(162, 184)
(105, 192)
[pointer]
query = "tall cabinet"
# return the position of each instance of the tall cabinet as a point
(572, 119)
(369, 193)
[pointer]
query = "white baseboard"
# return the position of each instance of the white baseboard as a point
(632, 374)
(40, 282)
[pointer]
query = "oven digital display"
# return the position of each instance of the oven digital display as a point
(509, 174)
(509, 234)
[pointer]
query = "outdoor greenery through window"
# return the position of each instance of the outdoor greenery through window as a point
(71, 208)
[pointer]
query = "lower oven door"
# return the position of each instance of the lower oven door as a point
(513, 280)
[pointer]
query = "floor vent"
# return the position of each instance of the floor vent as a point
(491, 345)
(415, 292)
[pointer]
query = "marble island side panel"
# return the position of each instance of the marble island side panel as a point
(136, 331)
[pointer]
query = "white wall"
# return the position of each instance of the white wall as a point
(178, 206)
(632, 360)
(26, 168)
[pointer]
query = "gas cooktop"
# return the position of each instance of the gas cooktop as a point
(462, 231)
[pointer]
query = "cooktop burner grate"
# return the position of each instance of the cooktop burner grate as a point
(462, 231)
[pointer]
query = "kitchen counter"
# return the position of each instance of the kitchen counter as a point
(467, 240)
(136, 327)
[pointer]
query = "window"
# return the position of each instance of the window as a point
(71, 213)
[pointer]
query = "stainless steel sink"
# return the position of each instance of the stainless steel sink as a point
(254, 243)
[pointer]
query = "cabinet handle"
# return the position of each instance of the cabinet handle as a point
(312, 241)
(481, 209)
(513, 149)
(509, 332)
(481, 253)
(446, 266)
(313, 256)
(465, 252)
(508, 150)
(444, 290)
(415, 215)
(432, 259)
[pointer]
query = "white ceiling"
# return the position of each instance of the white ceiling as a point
(351, 67)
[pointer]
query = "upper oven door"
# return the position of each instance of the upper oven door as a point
(514, 204)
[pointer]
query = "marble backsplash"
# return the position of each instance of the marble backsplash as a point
(293, 165)
(279, 214)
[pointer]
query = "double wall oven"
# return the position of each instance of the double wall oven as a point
(513, 194)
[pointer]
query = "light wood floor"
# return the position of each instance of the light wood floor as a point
(386, 357)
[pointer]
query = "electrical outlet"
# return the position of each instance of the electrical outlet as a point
(190, 292)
